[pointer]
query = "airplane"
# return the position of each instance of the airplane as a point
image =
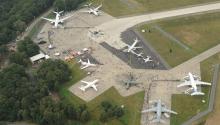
(88, 5)
(193, 83)
(89, 85)
(187, 78)
(86, 64)
(159, 108)
(130, 82)
(57, 20)
(94, 11)
(139, 55)
(133, 47)
(148, 59)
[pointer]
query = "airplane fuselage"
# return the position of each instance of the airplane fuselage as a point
(90, 85)
(132, 46)
(193, 83)
(159, 107)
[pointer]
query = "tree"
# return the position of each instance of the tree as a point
(103, 117)
(28, 47)
(19, 26)
(3, 50)
(70, 112)
(18, 58)
(85, 116)
(53, 72)
(59, 5)
(118, 112)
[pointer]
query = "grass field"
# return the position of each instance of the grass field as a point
(198, 33)
(133, 104)
(213, 118)
(193, 104)
(129, 7)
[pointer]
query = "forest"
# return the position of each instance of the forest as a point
(16, 15)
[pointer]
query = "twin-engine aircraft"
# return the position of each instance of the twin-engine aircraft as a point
(89, 85)
(57, 21)
(92, 10)
(193, 81)
(86, 64)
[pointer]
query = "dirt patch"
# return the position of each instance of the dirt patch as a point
(214, 119)
(190, 37)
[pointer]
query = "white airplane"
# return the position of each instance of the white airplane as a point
(158, 108)
(86, 64)
(89, 85)
(193, 83)
(133, 47)
(138, 54)
(57, 20)
(88, 5)
(148, 59)
(94, 11)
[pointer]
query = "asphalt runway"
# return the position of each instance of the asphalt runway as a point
(131, 59)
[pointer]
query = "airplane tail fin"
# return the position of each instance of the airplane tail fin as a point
(197, 93)
(82, 88)
(158, 121)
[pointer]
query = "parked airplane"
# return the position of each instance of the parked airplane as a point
(148, 59)
(89, 85)
(130, 81)
(138, 54)
(57, 20)
(86, 64)
(94, 11)
(132, 48)
(88, 5)
(193, 83)
(158, 108)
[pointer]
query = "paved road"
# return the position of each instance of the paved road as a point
(211, 99)
(31, 26)
(115, 27)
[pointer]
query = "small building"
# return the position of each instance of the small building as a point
(39, 57)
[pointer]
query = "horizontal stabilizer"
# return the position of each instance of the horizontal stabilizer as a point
(197, 93)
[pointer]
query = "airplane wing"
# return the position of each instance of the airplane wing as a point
(167, 110)
(186, 83)
(186, 77)
(94, 87)
(137, 47)
(85, 82)
(51, 20)
(197, 93)
(86, 66)
(202, 83)
(88, 11)
(150, 110)
(95, 13)
(82, 88)
(97, 8)
(65, 18)
(89, 61)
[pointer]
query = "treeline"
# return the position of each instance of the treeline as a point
(24, 97)
(67, 5)
(25, 93)
(15, 15)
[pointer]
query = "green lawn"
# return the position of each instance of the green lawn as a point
(129, 7)
(198, 33)
(133, 104)
(193, 104)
